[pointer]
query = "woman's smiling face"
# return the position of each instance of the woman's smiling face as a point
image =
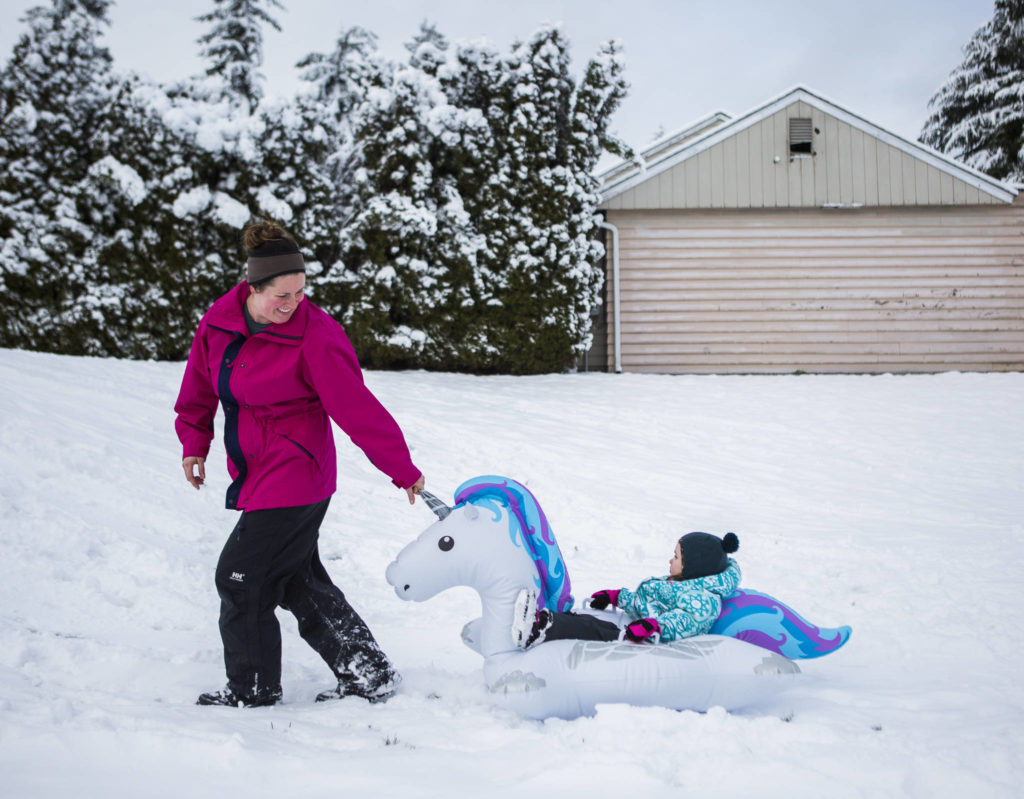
(278, 300)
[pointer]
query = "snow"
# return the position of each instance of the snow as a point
(226, 209)
(894, 504)
(192, 202)
(405, 336)
(25, 115)
(229, 211)
(130, 183)
(277, 209)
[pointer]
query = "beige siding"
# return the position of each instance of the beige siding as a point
(849, 168)
(864, 290)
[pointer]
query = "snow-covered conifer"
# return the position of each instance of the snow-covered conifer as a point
(165, 244)
(978, 113)
(410, 249)
(428, 49)
(291, 178)
(446, 202)
(540, 264)
(52, 91)
(328, 106)
(233, 47)
(224, 165)
(338, 81)
(473, 242)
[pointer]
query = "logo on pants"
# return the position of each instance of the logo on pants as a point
(238, 577)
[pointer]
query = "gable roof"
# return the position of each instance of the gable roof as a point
(679, 148)
(665, 146)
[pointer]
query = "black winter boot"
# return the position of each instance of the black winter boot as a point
(375, 684)
(229, 698)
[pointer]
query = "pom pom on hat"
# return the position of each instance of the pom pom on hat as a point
(705, 554)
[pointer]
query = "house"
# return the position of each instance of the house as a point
(802, 237)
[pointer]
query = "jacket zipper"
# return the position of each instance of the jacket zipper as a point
(302, 448)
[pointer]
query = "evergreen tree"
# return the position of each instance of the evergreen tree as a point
(52, 92)
(339, 80)
(292, 179)
(410, 249)
(115, 196)
(475, 81)
(165, 244)
(177, 173)
(234, 46)
(978, 113)
(225, 166)
(207, 192)
(329, 102)
(540, 265)
(473, 246)
(532, 319)
(428, 49)
(446, 203)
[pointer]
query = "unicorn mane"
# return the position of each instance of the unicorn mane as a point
(529, 528)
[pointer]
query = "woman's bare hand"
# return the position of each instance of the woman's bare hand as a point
(189, 465)
(414, 489)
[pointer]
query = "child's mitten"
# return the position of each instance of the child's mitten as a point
(599, 600)
(642, 630)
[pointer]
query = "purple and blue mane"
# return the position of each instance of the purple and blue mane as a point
(527, 527)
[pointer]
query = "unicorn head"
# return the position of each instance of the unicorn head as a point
(497, 541)
(527, 527)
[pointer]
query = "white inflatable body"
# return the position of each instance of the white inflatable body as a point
(484, 543)
(568, 679)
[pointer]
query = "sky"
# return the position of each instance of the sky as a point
(880, 59)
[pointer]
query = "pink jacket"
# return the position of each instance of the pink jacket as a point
(277, 390)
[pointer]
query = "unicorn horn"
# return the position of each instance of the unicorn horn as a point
(435, 504)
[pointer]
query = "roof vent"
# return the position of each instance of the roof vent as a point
(801, 131)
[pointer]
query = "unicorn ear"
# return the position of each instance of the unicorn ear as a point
(435, 505)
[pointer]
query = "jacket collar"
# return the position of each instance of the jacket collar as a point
(226, 313)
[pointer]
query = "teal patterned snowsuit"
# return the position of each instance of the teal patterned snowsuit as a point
(682, 607)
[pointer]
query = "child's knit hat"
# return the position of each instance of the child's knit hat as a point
(705, 554)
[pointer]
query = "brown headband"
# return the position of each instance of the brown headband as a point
(259, 269)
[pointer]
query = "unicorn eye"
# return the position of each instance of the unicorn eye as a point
(446, 543)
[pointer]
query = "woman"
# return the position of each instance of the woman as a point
(281, 369)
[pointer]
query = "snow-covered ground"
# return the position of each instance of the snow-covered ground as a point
(893, 504)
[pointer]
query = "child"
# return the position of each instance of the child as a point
(684, 603)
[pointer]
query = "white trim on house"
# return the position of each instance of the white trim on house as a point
(628, 175)
(665, 146)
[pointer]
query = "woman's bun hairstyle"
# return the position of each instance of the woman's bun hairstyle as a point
(259, 233)
(272, 252)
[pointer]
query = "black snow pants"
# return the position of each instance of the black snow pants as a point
(581, 626)
(272, 559)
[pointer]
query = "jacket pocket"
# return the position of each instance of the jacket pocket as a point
(302, 449)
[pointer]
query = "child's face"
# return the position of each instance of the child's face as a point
(675, 566)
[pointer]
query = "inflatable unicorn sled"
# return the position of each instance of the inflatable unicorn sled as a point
(497, 541)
